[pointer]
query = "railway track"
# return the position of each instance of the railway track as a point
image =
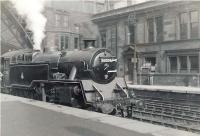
(170, 114)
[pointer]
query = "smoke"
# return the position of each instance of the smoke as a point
(31, 11)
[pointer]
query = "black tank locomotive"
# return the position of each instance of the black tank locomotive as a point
(80, 78)
(96, 64)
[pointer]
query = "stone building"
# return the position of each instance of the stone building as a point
(167, 38)
(69, 24)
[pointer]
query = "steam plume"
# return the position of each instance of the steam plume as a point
(31, 10)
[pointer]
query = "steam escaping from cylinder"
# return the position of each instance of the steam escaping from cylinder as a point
(31, 11)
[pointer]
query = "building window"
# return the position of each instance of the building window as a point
(61, 41)
(159, 29)
(132, 33)
(75, 42)
(194, 24)
(194, 64)
(65, 21)
(173, 64)
(183, 64)
(151, 60)
(77, 28)
(183, 26)
(114, 40)
(150, 23)
(62, 20)
(103, 38)
(89, 43)
(66, 42)
(58, 20)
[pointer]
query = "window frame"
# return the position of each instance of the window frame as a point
(65, 21)
(188, 64)
(183, 26)
(194, 70)
(183, 67)
(170, 66)
(103, 35)
(57, 19)
(76, 42)
(114, 39)
(159, 37)
(132, 32)
(60, 41)
(191, 23)
(150, 40)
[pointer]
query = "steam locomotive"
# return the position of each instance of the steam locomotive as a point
(81, 78)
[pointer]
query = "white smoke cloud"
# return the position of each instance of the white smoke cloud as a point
(31, 10)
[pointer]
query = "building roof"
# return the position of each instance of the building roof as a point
(144, 7)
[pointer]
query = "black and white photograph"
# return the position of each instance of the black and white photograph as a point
(100, 68)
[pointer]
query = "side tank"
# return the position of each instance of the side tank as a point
(97, 64)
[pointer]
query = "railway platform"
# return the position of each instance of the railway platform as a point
(26, 117)
(187, 95)
(175, 89)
